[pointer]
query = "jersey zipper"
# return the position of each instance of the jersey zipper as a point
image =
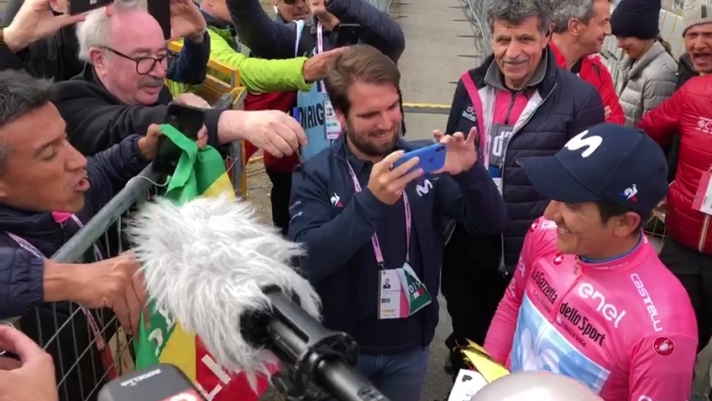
(502, 265)
(578, 271)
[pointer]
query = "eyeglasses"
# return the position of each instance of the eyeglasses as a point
(146, 64)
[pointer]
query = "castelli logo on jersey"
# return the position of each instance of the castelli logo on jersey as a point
(558, 258)
(663, 346)
(647, 301)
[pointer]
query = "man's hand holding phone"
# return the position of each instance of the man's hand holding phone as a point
(387, 183)
(317, 7)
(461, 152)
(148, 144)
(186, 21)
(34, 21)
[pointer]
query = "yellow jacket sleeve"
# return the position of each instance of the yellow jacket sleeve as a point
(260, 75)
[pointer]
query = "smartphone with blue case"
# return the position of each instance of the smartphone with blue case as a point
(432, 158)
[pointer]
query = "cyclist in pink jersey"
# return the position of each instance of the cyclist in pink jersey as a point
(589, 298)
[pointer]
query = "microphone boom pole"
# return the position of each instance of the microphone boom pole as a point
(315, 354)
(228, 278)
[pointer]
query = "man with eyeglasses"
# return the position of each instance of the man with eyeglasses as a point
(122, 92)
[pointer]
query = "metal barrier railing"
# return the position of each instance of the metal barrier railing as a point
(89, 347)
(476, 12)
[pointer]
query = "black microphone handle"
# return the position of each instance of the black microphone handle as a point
(345, 383)
(327, 356)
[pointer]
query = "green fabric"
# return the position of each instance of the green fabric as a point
(161, 328)
(197, 169)
(256, 74)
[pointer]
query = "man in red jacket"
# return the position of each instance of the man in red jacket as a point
(580, 26)
(687, 251)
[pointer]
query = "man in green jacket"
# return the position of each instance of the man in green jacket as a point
(259, 75)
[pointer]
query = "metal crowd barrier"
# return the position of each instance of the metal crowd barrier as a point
(476, 12)
(89, 347)
(83, 360)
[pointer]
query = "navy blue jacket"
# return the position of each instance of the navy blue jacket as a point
(21, 273)
(336, 225)
(96, 119)
(272, 39)
(568, 105)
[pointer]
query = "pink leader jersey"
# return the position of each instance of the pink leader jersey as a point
(624, 327)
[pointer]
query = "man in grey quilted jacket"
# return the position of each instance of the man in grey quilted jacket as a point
(647, 75)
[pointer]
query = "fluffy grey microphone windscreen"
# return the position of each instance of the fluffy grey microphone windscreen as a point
(206, 262)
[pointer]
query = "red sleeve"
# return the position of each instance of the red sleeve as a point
(250, 150)
(663, 122)
(661, 368)
(500, 335)
(607, 90)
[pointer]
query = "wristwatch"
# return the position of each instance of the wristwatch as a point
(2, 36)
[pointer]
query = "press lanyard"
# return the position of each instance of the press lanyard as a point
(320, 48)
(33, 250)
(374, 237)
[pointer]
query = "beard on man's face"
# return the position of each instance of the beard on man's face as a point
(369, 143)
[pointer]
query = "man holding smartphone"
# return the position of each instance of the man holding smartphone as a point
(371, 226)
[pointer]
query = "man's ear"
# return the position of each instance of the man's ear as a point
(574, 26)
(627, 224)
(97, 58)
(341, 117)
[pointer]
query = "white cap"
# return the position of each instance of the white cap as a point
(535, 386)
